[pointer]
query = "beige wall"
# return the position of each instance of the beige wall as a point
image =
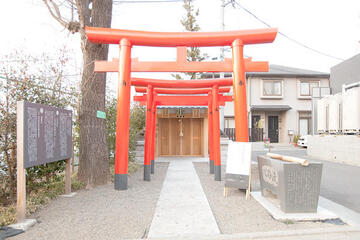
(288, 120)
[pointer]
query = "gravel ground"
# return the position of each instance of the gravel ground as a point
(102, 212)
(234, 214)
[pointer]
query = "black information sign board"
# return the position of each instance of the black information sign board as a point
(47, 134)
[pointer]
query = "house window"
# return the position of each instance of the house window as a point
(229, 122)
(304, 123)
(306, 87)
(272, 88)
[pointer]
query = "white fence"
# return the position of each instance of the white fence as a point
(351, 108)
(340, 113)
(335, 113)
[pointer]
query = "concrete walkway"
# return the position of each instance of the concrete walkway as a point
(182, 209)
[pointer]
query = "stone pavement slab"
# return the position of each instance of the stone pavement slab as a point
(321, 214)
(336, 233)
(182, 209)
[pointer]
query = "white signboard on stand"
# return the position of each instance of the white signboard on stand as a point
(239, 158)
(238, 166)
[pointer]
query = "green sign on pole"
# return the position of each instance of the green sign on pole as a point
(101, 114)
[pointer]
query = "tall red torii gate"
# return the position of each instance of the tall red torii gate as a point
(127, 38)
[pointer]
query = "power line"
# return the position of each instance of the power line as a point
(51, 77)
(284, 35)
(144, 1)
(25, 60)
(21, 81)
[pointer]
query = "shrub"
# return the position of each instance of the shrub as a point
(137, 124)
(34, 79)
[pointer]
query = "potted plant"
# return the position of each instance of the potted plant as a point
(296, 139)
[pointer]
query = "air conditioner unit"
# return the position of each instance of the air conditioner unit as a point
(335, 113)
(322, 115)
(351, 110)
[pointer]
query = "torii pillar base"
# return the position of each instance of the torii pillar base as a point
(211, 166)
(217, 172)
(121, 181)
(152, 166)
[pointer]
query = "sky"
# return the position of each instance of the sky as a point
(329, 26)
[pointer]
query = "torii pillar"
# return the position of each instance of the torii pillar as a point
(123, 117)
(210, 132)
(239, 92)
(216, 133)
(148, 134)
(153, 135)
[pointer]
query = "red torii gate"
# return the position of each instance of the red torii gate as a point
(184, 91)
(152, 99)
(128, 38)
(177, 100)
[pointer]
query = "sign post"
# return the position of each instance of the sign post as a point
(21, 180)
(44, 135)
(68, 177)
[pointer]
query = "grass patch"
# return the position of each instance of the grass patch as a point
(44, 194)
(288, 222)
(38, 199)
(132, 168)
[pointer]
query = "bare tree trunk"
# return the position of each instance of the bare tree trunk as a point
(94, 157)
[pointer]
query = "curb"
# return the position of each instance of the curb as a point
(303, 233)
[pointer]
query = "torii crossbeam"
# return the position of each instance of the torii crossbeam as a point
(181, 65)
(181, 90)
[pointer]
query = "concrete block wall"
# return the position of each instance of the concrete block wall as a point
(139, 151)
(224, 143)
(336, 148)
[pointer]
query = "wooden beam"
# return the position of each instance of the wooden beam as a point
(21, 179)
(180, 66)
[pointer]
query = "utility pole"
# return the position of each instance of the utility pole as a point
(222, 28)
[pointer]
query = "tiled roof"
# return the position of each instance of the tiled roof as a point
(279, 70)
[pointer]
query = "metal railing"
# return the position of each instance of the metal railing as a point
(255, 134)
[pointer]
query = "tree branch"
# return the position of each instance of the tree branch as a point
(56, 17)
(72, 26)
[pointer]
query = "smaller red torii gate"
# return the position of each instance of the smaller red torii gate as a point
(154, 100)
(151, 100)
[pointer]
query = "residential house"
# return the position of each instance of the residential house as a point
(345, 72)
(279, 105)
(279, 102)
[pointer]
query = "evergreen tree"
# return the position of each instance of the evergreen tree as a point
(190, 24)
